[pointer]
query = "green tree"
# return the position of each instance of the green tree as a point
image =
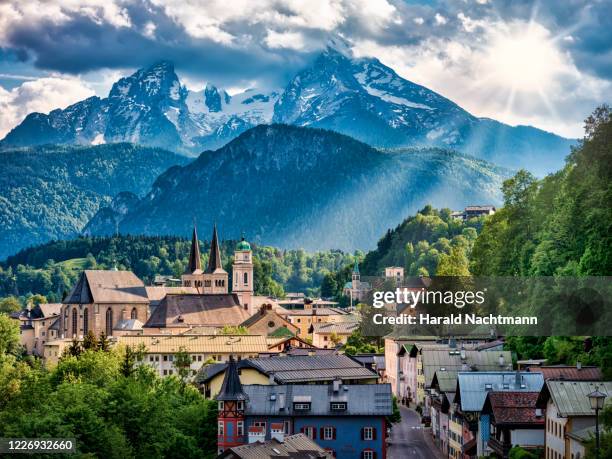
(182, 362)
(9, 305)
(90, 342)
(9, 335)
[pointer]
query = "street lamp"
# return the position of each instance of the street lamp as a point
(597, 400)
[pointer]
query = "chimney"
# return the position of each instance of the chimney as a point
(502, 361)
(336, 385)
(281, 401)
(271, 378)
(277, 431)
(579, 365)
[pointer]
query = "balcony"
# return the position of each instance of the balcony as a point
(498, 447)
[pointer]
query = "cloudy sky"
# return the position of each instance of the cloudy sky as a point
(545, 63)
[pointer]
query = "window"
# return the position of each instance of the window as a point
(134, 314)
(74, 321)
(301, 406)
(221, 428)
(338, 406)
(240, 428)
(246, 278)
(367, 454)
(368, 433)
(329, 433)
(220, 405)
(240, 405)
(109, 322)
(271, 324)
(310, 432)
(165, 358)
(86, 321)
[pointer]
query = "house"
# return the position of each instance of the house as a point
(306, 369)
(39, 325)
(284, 343)
(349, 421)
(474, 212)
(374, 362)
(160, 350)
(101, 301)
(514, 420)
(332, 334)
(395, 273)
(297, 446)
(304, 318)
(443, 388)
(568, 410)
(578, 441)
(53, 350)
(470, 395)
(177, 313)
(266, 321)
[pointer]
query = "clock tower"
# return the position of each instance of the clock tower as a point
(242, 274)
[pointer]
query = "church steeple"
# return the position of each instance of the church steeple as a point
(231, 389)
(214, 260)
(195, 262)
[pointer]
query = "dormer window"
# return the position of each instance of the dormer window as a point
(338, 406)
(301, 406)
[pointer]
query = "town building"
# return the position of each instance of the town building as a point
(177, 313)
(470, 395)
(289, 369)
(474, 212)
(332, 334)
(514, 420)
(39, 325)
(374, 362)
(568, 409)
(160, 350)
(395, 273)
(303, 319)
(576, 372)
(286, 343)
(578, 441)
(349, 421)
(297, 446)
(266, 321)
(356, 289)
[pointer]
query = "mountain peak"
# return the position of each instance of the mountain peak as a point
(339, 45)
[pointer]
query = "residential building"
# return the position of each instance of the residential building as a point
(332, 334)
(374, 362)
(569, 372)
(304, 318)
(396, 273)
(160, 350)
(474, 212)
(288, 369)
(39, 325)
(568, 409)
(349, 421)
(443, 388)
(470, 395)
(578, 441)
(284, 343)
(297, 446)
(514, 420)
(266, 321)
(53, 350)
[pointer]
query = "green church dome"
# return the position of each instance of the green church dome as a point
(243, 245)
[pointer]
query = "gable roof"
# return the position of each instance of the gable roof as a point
(106, 286)
(571, 397)
(297, 446)
(210, 310)
(292, 369)
(361, 399)
(198, 344)
(156, 293)
(569, 372)
(45, 310)
(472, 387)
(265, 313)
(452, 359)
(514, 408)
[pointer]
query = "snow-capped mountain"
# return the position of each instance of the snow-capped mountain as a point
(360, 97)
(151, 108)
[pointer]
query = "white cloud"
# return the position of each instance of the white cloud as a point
(440, 20)
(42, 95)
(419, 21)
(291, 40)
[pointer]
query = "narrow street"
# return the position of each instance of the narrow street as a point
(409, 439)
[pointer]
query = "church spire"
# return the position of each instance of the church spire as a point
(214, 259)
(195, 263)
(231, 389)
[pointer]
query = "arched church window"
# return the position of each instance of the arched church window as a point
(75, 316)
(134, 314)
(109, 322)
(85, 321)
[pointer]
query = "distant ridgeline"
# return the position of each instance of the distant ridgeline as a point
(52, 269)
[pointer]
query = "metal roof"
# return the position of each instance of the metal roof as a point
(452, 360)
(292, 446)
(361, 399)
(571, 397)
(98, 286)
(343, 328)
(198, 344)
(474, 386)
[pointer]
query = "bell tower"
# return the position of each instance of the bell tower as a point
(242, 274)
(232, 403)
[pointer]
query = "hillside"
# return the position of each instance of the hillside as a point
(297, 187)
(50, 192)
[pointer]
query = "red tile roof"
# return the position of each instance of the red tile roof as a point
(514, 407)
(569, 373)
